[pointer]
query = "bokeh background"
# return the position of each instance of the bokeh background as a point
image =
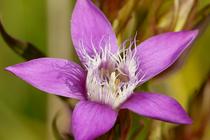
(25, 112)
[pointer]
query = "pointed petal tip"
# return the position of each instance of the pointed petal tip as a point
(10, 69)
(184, 120)
(188, 121)
(7, 68)
(194, 33)
(196, 30)
(157, 106)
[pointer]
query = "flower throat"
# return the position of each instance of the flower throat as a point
(111, 78)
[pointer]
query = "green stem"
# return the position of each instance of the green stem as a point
(24, 49)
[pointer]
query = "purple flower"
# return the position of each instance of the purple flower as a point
(106, 83)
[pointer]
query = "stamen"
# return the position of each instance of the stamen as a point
(111, 78)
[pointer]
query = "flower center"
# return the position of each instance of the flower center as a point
(111, 78)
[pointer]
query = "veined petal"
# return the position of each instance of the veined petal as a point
(159, 52)
(157, 106)
(56, 76)
(90, 30)
(90, 120)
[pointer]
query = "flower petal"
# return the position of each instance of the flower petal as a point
(159, 52)
(90, 120)
(56, 76)
(90, 30)
(157, 106)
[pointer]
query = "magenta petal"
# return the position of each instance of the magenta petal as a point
(55, 76)
(157, 106)
(90, 120)
(91, 30)
(159, 52)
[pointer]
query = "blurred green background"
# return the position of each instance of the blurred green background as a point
(23, 109)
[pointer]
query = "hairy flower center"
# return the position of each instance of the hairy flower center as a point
(111, 78)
